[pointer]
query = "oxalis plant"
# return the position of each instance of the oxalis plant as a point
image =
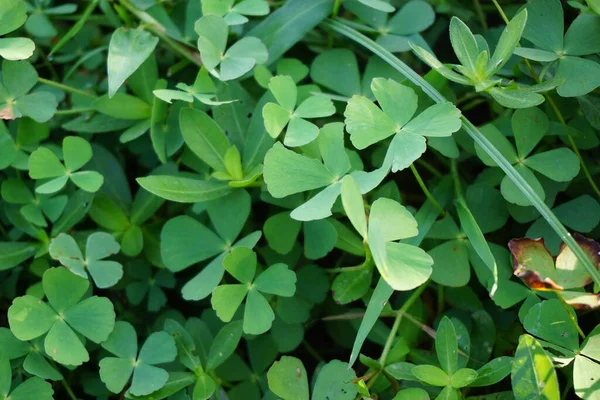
(299, 200)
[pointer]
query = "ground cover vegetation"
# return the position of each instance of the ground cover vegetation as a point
(301, 199)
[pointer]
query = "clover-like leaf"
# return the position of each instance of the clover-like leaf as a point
(285, 113)
(99, 246)
(235, 13)
(258, 315)
(32, 388)
(18, 78)
(115, 372)
(239, 59)
(44, 164)
(12, 16)
(65, 313)
(369, 124)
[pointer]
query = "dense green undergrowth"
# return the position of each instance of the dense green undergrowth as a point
(302, 199)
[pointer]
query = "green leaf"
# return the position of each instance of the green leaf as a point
(354, 206)
(287, 379)
(128, 49)
(226, 299)
(29, 317)
(581, 76)
(16, 48)
(43, 163)
(464, 44)
(463, 377)
(533, 374)
(493, 372)
(431, 375)
(289, 24)
(277, 280)
(180, 239)
(123, 106)
(477, 240)
(446, 346)
(579, 39)
(14, 253)
(561, 165)
(287, 172)
(514, 98)
(77, 152)
(366, 123)
(394, 220)
(258, 315)
(184, 190)
(507, 43)
(224, 344)
(334, 382)
(204, 137)
(337, 70)
(545, 24)
(549, 321)
(14, 14)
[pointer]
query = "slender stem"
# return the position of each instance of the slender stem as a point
(456, 179)
(430, 168)
(312, 351)
(405, 307)
(440, 299)
(480, 14)
(66, 88)
(74, 111)
(426, 191)
(4, 232)
(193, 57)
(366, 264)
(501, 11)
(69, 390)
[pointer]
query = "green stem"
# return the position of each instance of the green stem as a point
(405, 307)
(501, 11)
(66, 88)
(312, 351)
(366, 264)
(456, 179)
(69, 390)
(426, 191)
(480, 14)
(74, 111)
(430, 168)
(478, 138)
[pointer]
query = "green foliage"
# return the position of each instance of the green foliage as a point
(259, 200)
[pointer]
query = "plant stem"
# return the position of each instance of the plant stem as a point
(480, 14)
(456, 179)
(312, 351)
(66, 88)
(501, 11)
(430, 168)
(366, 264)
(74, 111)
(69, 390)
(426, 191)
(405, 307)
